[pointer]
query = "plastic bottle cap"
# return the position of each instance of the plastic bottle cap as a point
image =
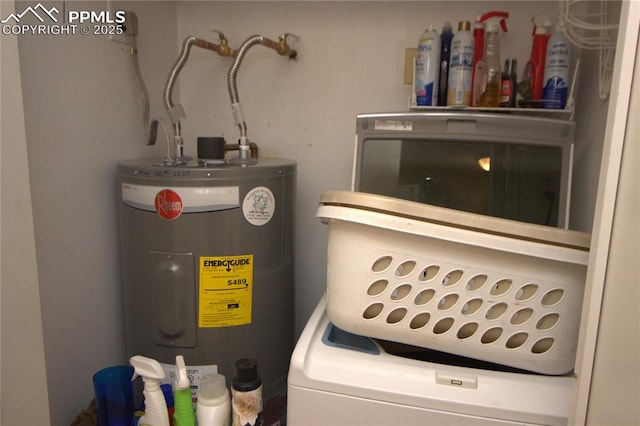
(246, 375)
(541, 24)
(464, 26)
(212, 387)
(542, 30)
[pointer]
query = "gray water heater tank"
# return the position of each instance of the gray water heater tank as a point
(207, 265)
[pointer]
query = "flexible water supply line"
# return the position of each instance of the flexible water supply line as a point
(149, 129)
(176, 112)
(283, 49)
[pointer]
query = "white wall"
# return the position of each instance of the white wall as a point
(618, 350)
(82, 115)
(23, 375)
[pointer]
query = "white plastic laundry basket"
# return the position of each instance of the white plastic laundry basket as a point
(487, 288)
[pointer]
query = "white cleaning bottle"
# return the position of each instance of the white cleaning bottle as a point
(427, 68)
(556, 71)
(214, 404)
(461, 69)
(155, 413)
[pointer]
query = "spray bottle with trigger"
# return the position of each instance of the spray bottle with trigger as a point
(493, 22)
(534, 69)
(155, 413)
(183, 414)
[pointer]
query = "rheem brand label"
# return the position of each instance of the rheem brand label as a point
(168, 204)
(192, 199)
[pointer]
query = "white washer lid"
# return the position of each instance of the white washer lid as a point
(457, 218)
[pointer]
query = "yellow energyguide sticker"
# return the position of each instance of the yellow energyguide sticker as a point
(226, 286)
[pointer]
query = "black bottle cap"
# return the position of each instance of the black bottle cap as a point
(211, 147)
(246, 375)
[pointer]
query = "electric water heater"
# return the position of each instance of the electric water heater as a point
(207, 265)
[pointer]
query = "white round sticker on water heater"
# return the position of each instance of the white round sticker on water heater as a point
(259, 205)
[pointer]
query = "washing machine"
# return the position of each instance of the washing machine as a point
(340, 378)
(438, 316)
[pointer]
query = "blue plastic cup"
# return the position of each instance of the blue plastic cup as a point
(113, 391)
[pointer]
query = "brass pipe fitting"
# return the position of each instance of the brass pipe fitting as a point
(283, 47)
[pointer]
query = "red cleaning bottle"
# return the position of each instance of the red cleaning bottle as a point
(478, 62)
(534, 70)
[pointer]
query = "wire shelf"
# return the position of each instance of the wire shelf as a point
(588, 27)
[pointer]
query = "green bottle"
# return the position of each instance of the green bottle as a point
(183, 414)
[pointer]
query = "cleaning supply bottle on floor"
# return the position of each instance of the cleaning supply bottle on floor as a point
(493, 22)
(155, 413)
(534, 69)
(246, 394)
(183, 414)
(445, 62)
(557, 70)
(478, 75)
(460, 74)
(214, 405)
(427, 68)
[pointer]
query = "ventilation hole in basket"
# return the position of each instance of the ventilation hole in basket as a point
(452, 278)
(429, 273)
(501, 287)
(381, 264)
(527, 292)
(552, 297)
(491, 335)
(377, 287)
(396, 315)
(443, 325)
(401, 292)
(522, 316)
(517, 340)
(471, 307)
(467, 330)
(496, 311)
(424, 297)
(542, 345)
(476, 283)
(547, 321)
(373, 311)
(405, 268)
(448, 302)
(420, 320)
